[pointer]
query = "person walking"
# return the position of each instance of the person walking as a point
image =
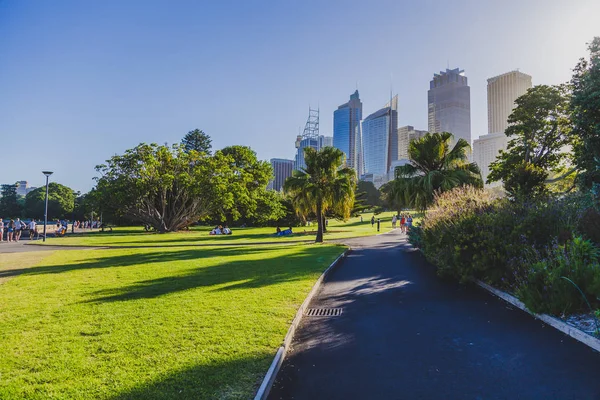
(409, 221)
(394, 222)
(372, 221)
(403, 223)
(10, 230)
(32, 229)
(19, 226)
(1, 229)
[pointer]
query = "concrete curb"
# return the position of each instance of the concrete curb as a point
(562, 326)
(269, 379)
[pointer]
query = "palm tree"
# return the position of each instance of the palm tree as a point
(434, 167)
(323, 185)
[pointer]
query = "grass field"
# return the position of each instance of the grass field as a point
(136, 237)
(149, 323)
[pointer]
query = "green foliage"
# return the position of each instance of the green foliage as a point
(589, 225)
(543, 288)
(324, 185)
(247, 186)
(9, 205)
(469, 234)
(372, 196)
(585, 107)
(539, 130)
(434, 167)
(166, 188)
(61, 202)
(197, 140)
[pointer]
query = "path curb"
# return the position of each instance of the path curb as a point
(562, 326)
(269, 379)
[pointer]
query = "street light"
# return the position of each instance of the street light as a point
(47, 173)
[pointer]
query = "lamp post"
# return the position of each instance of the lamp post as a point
(47, 173)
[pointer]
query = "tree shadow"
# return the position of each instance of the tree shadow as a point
(237, 378)
(238, 274)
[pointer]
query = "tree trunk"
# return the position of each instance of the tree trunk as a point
(320, 224)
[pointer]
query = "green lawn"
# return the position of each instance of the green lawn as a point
(136, 237)
(149, 323)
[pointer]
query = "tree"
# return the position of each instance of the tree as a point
(372, 196)
(585, 115)
(539, 129)
(433, 167)
(323, 185)
(9, 205)
(166, 188)
(61, 202)
(197, 140)
(248, 188)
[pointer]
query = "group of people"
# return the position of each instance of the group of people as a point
(15, 227)
(221, 230)
(405, 221)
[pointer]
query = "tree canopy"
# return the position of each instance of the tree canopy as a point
(434, 167)
(61, 202)
(585, 108)
(323, 185)
(539, 130)
(9, 205)
(197, 140)
(166, 188)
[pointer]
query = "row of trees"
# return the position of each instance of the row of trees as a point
(63, 202)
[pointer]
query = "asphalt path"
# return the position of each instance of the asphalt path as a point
(24, 246)
(406, 334)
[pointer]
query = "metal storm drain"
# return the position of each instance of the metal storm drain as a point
(323, 312)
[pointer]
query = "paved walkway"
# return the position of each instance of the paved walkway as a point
(406, 334)
(23, 246)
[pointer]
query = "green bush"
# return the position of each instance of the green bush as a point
(544, 289)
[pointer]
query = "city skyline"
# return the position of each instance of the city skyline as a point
(82, 83)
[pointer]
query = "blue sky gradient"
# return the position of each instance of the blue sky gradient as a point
(81, 80)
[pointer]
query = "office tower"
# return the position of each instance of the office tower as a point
(282, 169)
(22, 188)
(449, 104)
(502, 91)
(346, 120)
(309, 138)
(325, 141)
(407, 134)
(485, 151)
(380, 139)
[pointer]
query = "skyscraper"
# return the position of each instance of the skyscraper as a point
(407, 134)
(449, 104)
(309, 138)
(282, 169)
(346, 120)
(485, 151)
(502, 91)
(380, 139)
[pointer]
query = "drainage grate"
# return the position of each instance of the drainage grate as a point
(324, 312)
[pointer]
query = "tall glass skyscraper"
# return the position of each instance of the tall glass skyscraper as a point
(380, 139)
(449, 104)
(346, 128)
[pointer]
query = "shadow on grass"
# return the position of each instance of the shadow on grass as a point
(233, 379)
(234, 274)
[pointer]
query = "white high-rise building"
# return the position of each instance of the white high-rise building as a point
(502, 91)
(485, 151)
(407, 134)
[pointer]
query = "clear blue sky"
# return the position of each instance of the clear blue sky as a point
(82, 80)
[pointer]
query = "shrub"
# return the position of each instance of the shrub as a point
(543, 288)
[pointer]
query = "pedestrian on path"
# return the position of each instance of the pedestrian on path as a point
(372, 221)
(32, 229)
(1, 229)
(394, 222)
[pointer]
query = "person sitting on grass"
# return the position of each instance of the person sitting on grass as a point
(217, 231)
(226, 230)
(60, 230)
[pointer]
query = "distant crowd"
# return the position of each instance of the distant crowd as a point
(12, 230)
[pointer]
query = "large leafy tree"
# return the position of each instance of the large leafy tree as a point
(9, 203)
(585, 107)
(539, 130)
(248, 187)
(61, 201)
(197, 140)
(434, 166)
(323, 185)
(166, 188)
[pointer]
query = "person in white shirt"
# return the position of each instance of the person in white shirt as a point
(1, 229)
(32, 229)
(19, 225)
